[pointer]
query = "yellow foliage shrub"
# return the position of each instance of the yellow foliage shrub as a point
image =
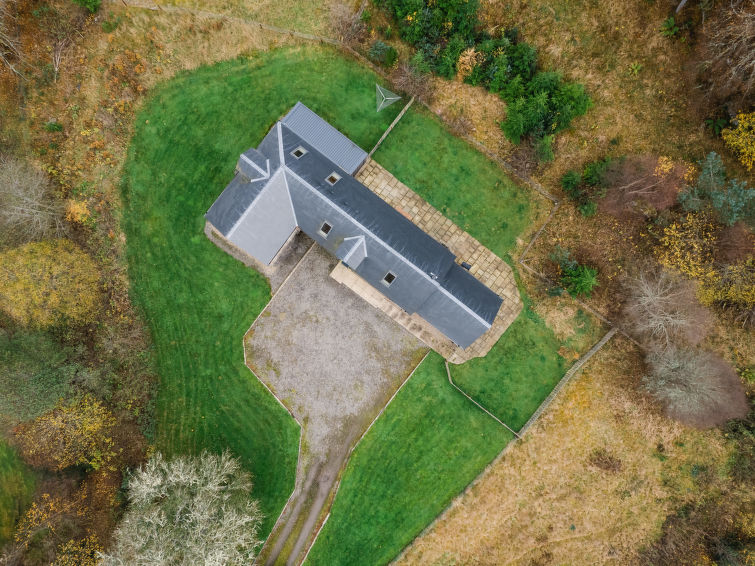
(73, 434)
(77, 211)
(741, 139)
(733, 286)
(47, 283)
(44, 513)
(687, 245)
(83, 552)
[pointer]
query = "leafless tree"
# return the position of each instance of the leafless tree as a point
(640, 185)
(695, 387)
(732, 48)
(57, 54)
(188, 511)
(411, 81)
(28, 211)
(662, 308)
(348, 24)
(10, 51)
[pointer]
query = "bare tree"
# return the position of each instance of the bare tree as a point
(732, 47)
(61, 45)
(10, 50)
(662, 307)
(695, 387)
(348, 24)
(28, 211)
(640, 185)
(407, 78)
(188, 511)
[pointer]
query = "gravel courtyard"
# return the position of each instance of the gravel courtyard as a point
(334, 361)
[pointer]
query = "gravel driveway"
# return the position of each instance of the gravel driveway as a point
(335, 362)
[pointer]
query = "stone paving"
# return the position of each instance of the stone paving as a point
(486, 266)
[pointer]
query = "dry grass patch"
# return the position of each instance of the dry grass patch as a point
(309, 16)
(591, 483)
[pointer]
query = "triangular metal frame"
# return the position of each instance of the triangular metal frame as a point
(384, 97)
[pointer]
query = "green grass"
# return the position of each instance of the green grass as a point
(456, 179)
(17, 488)
(519, 371)
(431, 441)
(426, 447)
(198, 301)
(524, 366)
(35, 372)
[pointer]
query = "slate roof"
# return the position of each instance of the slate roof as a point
(372, 212)
(378, 221)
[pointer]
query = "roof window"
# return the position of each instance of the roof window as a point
(299, 152)
(333, 178)
(389, 278)
(325, 229)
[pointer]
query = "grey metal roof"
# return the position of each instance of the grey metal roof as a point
(330, 142)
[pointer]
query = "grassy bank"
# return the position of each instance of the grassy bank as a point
(197, 300)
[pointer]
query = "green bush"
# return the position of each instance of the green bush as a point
(540, 104)
(111, 24)
(583, 188)
(730, 200)
(544, 106)
(588, 209)
(580, 281)
(669, 27)
(35, 372)
(91, 5)
(544, 148)
(53, 126)
(421, 23)
(594, 172)
(420, 64)
(446, 65)
(382, 53)
(570, 182)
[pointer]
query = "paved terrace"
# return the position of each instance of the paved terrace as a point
(486, 266)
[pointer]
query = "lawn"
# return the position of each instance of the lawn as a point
(426, 447)
(524, 366)
(17, 483)
(198, 301)
(456, 179)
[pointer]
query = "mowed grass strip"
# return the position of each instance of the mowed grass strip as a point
(428, 444)
(197, 300)
(456, 179)
(17, 483)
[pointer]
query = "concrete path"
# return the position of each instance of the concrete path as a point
(334, 361)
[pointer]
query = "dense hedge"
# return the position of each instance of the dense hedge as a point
(540, 103)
